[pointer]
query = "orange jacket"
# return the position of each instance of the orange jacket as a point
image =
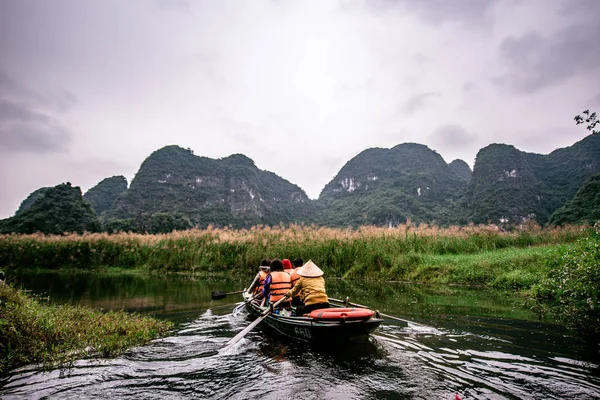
(280, 284)
(293, 275)
(261, 282)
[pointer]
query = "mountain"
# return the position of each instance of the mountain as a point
(228, 191)
(583, 207)
(32, 198)
(461, 169)
(512, 186)
(389, 186)
(103, 195)
(61, 209)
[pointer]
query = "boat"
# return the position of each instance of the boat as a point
(327, 324)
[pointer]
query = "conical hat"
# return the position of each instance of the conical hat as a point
(309, 270)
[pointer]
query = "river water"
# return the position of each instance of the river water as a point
(469, 343)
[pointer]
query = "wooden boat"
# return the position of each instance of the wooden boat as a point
(336, 323)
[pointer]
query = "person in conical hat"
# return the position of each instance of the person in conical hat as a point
(310, 288)
(310, 270)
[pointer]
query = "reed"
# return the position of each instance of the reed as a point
(363, 252)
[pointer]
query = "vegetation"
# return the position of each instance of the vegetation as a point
(55, 335)
(572, 286)
(60, 209)
(391, 186)
(31, 199)
(583, 208)
(590, 119)
(104, 194)
(422, 254)
(511, 185)
(228, 192)
(155, 223)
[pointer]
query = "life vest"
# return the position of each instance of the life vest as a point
(280, 284)
(294, 277)
(261, 282)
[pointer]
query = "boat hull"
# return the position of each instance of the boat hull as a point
(311, 330)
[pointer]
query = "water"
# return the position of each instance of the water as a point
(472, 343)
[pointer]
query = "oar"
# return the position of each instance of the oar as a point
(241, 306)
(221, 295)
(382, 314)
(257, 321)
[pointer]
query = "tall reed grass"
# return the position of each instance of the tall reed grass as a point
(367, 251)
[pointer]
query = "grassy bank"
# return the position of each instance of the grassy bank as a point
(366, 252)
(55, 335)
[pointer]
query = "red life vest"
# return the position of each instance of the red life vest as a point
(261, 282)
(280, 284)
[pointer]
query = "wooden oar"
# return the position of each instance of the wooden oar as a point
(247, 329)
(221, 295)
(382, 314)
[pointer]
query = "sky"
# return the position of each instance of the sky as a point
(90, 88)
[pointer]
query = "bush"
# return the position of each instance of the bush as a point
(571, 290)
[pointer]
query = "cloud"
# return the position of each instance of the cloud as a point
(468, 87)
(472, 13)
(595, 100)
(417, 102)
(452, 136)
(535, 62)
(60, 99)
(25, 131)
(174, 5)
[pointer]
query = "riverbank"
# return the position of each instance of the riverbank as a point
(55, 335)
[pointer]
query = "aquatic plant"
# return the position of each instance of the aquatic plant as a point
(32, 331)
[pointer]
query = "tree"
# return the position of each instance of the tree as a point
(590, 119)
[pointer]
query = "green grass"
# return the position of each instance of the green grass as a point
(55, 335)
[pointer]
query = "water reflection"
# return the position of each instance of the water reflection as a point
(484, 346)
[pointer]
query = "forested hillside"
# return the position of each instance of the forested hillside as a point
(229, 191)
(390, 186)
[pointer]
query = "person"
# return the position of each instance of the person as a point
(259, 279)
(311, 289)
(276, 285)
(298, 262)
(287, 265)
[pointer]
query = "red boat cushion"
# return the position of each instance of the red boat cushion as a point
(347, 314)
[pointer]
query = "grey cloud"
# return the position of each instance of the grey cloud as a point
(25, 131)
(60, 99)
(452, 136)
(595, 99)
(469, 12)
(535, 62)
(469, 87)
(417, 102)
(175, 5)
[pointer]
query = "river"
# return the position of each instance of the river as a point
(470, 343)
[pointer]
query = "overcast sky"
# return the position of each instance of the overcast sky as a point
(89, 88)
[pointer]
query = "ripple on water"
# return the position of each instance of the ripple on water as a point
(395, 363)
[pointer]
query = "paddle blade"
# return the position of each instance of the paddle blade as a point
(218, 295)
